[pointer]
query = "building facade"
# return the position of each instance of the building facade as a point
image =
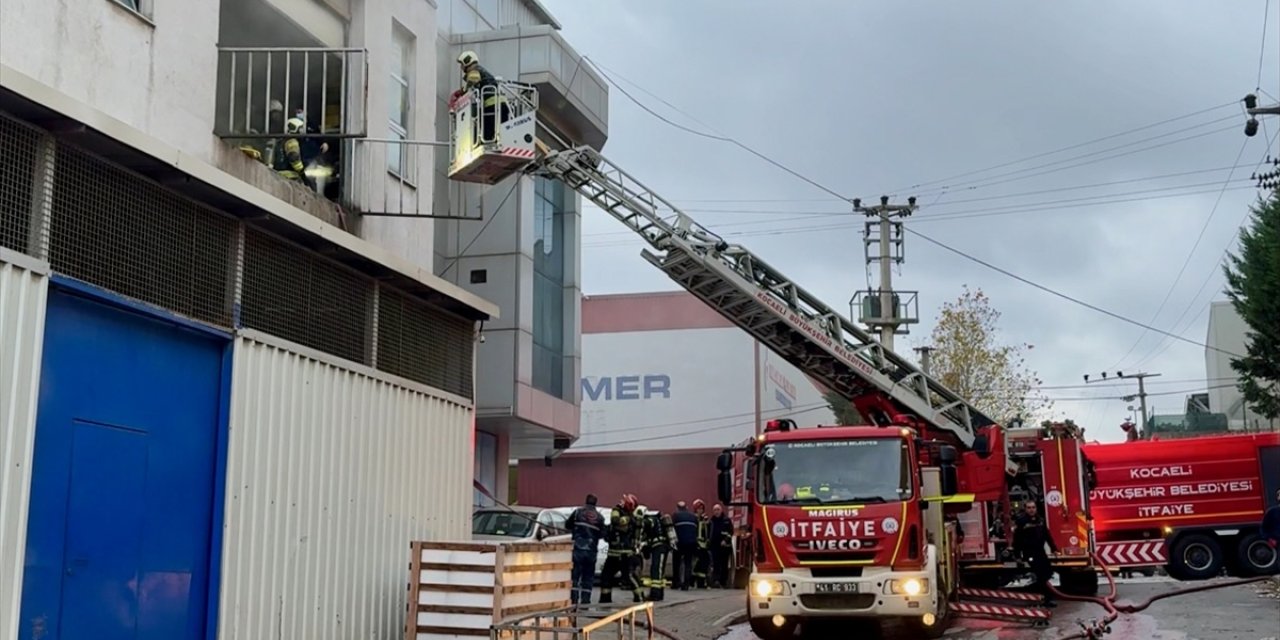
(245, 385)
(667, 383)
(1227, 333)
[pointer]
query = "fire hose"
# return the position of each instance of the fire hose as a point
(1095, 629)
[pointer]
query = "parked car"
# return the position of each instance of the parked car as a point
(518, 524)
(604, 546)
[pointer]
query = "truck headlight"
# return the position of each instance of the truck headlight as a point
(908, 587)
(766, 588)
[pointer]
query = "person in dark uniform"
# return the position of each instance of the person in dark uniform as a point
(1029, 538)
(686, 527)
(587, 526)
(622, 536)
(493, 102)
(658, 539)
(702, 560)
(721, 548)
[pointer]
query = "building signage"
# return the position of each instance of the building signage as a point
(626, 387)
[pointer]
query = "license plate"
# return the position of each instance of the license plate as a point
(835, 587)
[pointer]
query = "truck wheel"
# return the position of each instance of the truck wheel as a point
(1256, 557)
(765, 629)
(1196, 557)
(1079, 582)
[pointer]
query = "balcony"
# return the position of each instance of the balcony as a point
(573, 100)
(261, 88)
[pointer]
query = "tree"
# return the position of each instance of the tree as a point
(845, 412)
(969, 360)
(1253, 285)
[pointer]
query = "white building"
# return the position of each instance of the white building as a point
(1227, 331)
(245, 394)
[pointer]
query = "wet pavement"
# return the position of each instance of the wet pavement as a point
(1247, 612)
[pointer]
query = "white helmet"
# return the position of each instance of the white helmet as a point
(468, 58)
(642, 511)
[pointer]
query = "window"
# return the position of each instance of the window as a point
(548, 287)
(141, 8)
(400, 103)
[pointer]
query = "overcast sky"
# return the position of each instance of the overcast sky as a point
(872, 98)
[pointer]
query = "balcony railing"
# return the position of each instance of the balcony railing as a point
(261, 88)
(392, 177)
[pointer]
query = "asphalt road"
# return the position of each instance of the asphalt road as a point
(1234, 613)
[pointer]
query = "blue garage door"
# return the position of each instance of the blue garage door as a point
(122, 498)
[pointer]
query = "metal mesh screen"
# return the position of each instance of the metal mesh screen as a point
(18, 145)
(423, 343)
(122, 232)
(299, 296)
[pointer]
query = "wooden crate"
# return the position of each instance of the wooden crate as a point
(460, 589)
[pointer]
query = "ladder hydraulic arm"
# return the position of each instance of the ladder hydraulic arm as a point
(886, 388)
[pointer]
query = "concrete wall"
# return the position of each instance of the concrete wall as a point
(1227, 332)
(658, 478)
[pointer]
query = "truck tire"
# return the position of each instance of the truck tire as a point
(1256, 557)
(1079, 582)
(1196, 557)
(765, 629)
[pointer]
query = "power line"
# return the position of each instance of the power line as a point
(1262, 50)
(1190, 254)
(958, 252)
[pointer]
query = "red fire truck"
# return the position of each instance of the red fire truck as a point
(1191, 504)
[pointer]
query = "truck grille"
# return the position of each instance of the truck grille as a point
(841, 601)
(839, 556)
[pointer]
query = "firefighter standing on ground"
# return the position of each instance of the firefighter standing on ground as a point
(658, 537)
(721, 547)
(702, 560)
(686, 528)
(475, 76)
(587, 526)
(1029, 538)
(622, 537)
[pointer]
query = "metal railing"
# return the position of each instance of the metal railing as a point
(584, 623)
(513, 100)
(903, 309)
(391, 177)
(329, 87)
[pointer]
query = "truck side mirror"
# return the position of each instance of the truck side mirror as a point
(542, 533)
(724, 486)
(948, 479)
(982, 446)
(749, 476)
(947, 454)
(724, 462)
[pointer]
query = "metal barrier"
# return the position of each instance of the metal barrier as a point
(499, 103)
(391, 177)
(580, 623)
(328, 86)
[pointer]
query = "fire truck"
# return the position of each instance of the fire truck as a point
(1193, 505)
(877, 535)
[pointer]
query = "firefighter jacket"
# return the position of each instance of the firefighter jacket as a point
(721, 532)
(686, 527)
(288, 158)
(659, 533)
(478, 77)
(704, 532)
(1031, 535)
(822, 492)
(624, 533)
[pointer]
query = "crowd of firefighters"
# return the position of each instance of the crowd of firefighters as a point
(699, 544)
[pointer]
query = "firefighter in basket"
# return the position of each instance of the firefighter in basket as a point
(492, 102)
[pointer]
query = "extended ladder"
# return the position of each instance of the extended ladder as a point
(755, 296)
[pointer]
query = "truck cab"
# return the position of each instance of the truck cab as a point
(843, 523)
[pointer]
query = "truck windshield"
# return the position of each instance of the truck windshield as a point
(835, 471)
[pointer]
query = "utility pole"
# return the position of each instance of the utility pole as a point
(924, 359)
(883, 310)
(1142, 393)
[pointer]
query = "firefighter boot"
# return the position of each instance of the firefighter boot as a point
(606, 596)
(655, 594)
(636, 596)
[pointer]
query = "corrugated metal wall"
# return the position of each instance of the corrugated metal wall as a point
(331, 472)
(23, 297)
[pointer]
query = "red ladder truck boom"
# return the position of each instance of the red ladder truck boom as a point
(885, 553)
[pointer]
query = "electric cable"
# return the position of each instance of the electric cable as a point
(496, 210)
(1190, 254)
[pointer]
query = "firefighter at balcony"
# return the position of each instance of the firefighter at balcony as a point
(623, 537)
(686, 528)
(1029, 538)
(658, 536)
(475, 76)
(702, 561)
(721, 547)
(288, 156)
(587, 527)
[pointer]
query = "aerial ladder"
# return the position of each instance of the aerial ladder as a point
(886, 388)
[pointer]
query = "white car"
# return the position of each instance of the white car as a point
(517, 524)
(564, 512)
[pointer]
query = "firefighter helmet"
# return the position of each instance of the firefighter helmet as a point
(295, 125)
(629, 502)
(468, 58)
(699, 504)
(642, 511)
